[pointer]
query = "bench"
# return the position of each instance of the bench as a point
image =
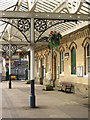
(66, 86)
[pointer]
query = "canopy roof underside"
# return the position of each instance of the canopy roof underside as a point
(56, 6)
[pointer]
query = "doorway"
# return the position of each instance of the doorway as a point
(54, 72)
(42, 71)
(42, 74)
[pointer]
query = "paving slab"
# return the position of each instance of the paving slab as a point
(49, 104)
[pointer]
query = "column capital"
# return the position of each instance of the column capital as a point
(32, 47)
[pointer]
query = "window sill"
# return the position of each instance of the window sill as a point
(86, 76)
(72, 75)
(62, 74)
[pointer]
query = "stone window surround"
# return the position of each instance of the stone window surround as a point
(62, 60)
(85, 43)
(87, 60)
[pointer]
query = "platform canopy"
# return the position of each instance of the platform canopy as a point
(64, 16)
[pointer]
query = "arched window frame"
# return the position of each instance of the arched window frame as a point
(73, 69)
(87, 59)
(37, 65)
(62, 49)
(61, 62)
(71, 46)
(85, 44)
(47, 64)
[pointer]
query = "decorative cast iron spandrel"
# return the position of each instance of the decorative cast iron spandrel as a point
(43, 39)
(5, 48)
(23, 25)
(40, 25)
(21, 28)
(14, 48)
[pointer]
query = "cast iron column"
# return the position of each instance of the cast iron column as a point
(9, 65)
(32, 97)
(28, 65)
(0, 65)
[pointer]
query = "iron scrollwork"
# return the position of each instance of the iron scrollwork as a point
(40, 25)
(14, 48)
(5, 49)
(23, 25)
(19, 27)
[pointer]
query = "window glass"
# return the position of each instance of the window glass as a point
(47, 63)
(61, 62)
(87, 59)
(73, 61)
(89, 64)
(37, 64)
(88, 50)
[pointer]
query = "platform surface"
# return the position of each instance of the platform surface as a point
(49, 104)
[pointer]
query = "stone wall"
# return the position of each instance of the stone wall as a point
(78, 39)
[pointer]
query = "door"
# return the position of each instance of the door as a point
(54, 71)
(73, 61)
(42, 74)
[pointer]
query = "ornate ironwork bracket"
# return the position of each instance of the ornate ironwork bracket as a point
(42, 25)
(5, 49)
(14, 48)
(22, 25)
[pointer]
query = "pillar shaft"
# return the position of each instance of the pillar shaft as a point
(29, 65)
(32, 64)
(0, 66)
(9, 65)
(0, 63)
(32, 97)
(9, 59)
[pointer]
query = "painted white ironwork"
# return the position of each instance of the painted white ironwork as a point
(32, 49)
(81, 7)
(71, 6)
(0, 63)
(9, 58)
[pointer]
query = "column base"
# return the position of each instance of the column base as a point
(32, 97)
(9, 81)
(32, 101)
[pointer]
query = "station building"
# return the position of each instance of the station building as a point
(70, 64)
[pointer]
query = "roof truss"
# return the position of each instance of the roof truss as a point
(44, 15)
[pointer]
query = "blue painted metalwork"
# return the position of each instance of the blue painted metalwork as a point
(9, 81)
(32, 97)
